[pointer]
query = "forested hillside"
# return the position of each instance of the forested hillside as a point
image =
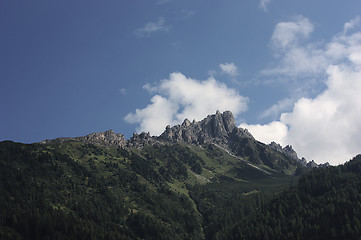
(76, 190)
(326, 204)
(92, 193)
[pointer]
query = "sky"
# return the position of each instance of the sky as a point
(290, 71)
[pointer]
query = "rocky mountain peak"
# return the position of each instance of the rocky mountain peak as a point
(215, 128)
(139, 140)
(288, 150)
(218, 129)
(186, 123)
(228, 121)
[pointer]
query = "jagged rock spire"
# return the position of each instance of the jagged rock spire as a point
(214, 128)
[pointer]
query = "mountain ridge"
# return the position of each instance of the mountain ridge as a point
(219, 128)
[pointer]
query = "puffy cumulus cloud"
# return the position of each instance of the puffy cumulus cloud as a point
(273, 132)
(180, 97)
(229, 68)
(152, 27)
(344, 47)
(326, 127)
(158, 113)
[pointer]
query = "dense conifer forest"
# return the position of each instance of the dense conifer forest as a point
(77, 190)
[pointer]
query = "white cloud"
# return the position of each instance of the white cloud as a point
(352, 24)
(296, 59)
(159, 113)
(288, 34)
(326, 127)
(152, 27)
(300, 62)
(273, 132)
(303, 64)
(281, 106)
(229, 68)
(180, 97)
(263, 4)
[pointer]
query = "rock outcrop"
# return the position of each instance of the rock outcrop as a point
(288, 150)
(312, 164)
(107, 138)
(217, 128)
(139, 140)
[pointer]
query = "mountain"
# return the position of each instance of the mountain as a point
(198, 180)
(219, 130)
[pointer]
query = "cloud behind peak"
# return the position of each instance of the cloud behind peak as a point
(180, 97)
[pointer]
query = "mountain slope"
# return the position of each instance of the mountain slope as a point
(76, 190)
(218, 129)
(197, 180)
(326, 204)
(94, 193)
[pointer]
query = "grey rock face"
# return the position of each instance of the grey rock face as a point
(288, 150)
(228, 121)
(107, 138)
(326, 164)
(303, 161)
(312, 164)
(217, 128)
(139, 140)
(275, 146)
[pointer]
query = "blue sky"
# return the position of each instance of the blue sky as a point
(69, 68)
